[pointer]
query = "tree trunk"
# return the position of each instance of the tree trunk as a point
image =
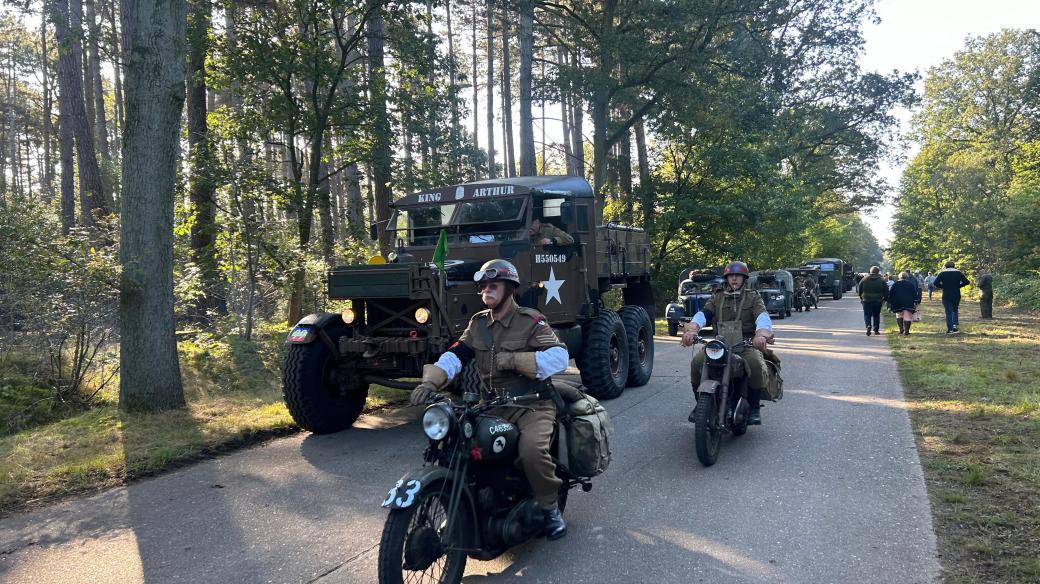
(453, 94)
(381, 158)
(117, 76)
(48, 112)
(507, 96)
(624, 170)
(150, 377)
(476, 90)
(577, 125)
(492, 172)
(68, 172)
(70, 96)
(324, 199)
(473, 80)
(97, 93)
(202, 163)
(355, 204)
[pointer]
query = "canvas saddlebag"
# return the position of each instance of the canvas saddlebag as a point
(586, 433)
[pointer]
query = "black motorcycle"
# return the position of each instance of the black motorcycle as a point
(467, 501)
(722, 404)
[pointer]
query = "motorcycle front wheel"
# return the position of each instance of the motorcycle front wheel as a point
(412, 547)
(707, 433)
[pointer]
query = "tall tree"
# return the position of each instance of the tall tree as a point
(155, 37)
(490, 10)
(527, 162)
(202, 162)
(507, 95)
(381, 130)
(68, 32)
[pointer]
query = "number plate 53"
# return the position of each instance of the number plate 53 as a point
(402, 494)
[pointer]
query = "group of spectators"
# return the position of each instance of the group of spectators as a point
(903, 296)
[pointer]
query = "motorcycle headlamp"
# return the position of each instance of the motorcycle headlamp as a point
(422, 316)
(349, 316)
(436, 421)
(715, 350)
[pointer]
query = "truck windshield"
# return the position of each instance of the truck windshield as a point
(470, 221)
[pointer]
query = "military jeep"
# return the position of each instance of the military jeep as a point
(405, 313)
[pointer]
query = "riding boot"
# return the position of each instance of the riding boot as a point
(906, 326)
(755, 411)
(868, 330)
(555, 528)
(899, 321)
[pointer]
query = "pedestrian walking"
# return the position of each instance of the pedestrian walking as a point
(888, 280)
(903, 299)
(872, 293)
(929, 281)
(986, 285)
(950, 280)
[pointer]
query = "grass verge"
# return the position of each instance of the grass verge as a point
(234, 399)
(975, 407)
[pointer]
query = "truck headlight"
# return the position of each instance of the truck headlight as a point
(715, 350)
(349, 316)
(436, 421)
(422, 316)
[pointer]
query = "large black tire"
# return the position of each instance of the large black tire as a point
(673, 329)
(707, 435)
(604, 361)
(837, 294)
(408, 522)
(781, 314)
(640, 332)
(316, 392)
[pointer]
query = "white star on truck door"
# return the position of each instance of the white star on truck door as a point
(552, 287)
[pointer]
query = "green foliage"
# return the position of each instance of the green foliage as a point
(970, 194)
(1021, 290)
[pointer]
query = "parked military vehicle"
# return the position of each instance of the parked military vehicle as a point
(806, 287)
(405, 313)
(832, 278)
(777, 290)
(695, 287)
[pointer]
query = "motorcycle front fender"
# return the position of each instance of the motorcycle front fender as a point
(709, 386)
(406, 492)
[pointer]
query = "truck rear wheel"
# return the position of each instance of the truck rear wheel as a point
(640, 332)
(604, 362)
(673, 329)
(321, 396)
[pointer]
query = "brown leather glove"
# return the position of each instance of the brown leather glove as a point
(522, 362)
(433, 379)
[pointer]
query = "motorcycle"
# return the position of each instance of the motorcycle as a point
(468, 500)
(721, 403)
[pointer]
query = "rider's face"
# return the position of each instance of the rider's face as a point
(492, 293)
(735, 281)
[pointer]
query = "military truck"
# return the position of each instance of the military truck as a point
(695, 288)
(832, 276)
(405, 313)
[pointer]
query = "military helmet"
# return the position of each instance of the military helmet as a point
(738, 268)
(497, 271)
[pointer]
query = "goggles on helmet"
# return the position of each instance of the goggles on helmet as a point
(491, 274)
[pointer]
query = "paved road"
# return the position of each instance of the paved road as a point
(829, 489)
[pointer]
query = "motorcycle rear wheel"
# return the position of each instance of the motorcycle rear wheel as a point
(707, 435)
(414, 534)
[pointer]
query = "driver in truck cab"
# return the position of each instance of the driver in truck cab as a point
(743, 307)
(548, 234)
(516, 353)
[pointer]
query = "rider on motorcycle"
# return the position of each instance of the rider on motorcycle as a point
(745, 308)
(517, 352)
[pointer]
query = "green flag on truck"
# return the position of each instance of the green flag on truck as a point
(442, 250)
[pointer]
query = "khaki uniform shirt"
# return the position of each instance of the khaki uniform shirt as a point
(724, 307)
(550, 231)
(520, 330)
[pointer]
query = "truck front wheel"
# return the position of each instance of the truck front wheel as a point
(321, 396)
(604, 363)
